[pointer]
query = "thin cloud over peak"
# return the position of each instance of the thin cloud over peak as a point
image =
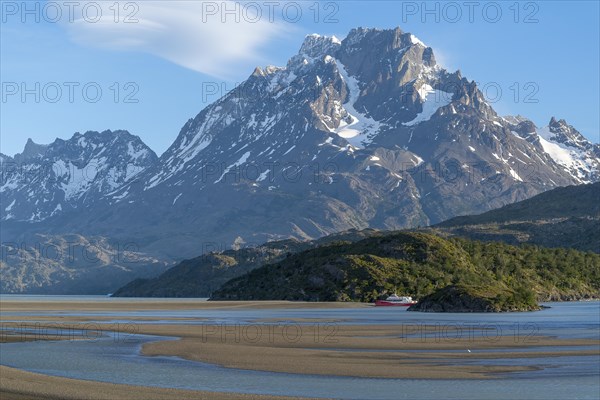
(186, 35)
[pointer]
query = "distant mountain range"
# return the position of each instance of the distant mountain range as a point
(366, 132)
(46, 181)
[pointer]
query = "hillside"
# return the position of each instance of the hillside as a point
(419, 264)
(580, 201)
(72, 265)
(201, 276)
(563, 217)
(469, 298)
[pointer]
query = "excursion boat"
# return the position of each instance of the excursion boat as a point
(395, 300)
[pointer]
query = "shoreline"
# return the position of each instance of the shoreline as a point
(98, 303)
(179, 304)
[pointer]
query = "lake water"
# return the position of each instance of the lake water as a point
(116, 360)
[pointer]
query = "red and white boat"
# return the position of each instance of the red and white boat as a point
(395, 300)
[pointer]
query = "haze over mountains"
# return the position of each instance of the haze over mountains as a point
(365, 132)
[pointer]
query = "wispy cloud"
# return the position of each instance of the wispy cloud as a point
(187, 33)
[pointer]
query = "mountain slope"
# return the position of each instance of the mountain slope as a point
(72, 264)
(563, 217)
(367, 127)
(565, 202)
(45, 183)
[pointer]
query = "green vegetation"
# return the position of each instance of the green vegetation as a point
(550, 273)
(419, 264)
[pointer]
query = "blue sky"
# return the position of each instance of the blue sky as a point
(169, 55)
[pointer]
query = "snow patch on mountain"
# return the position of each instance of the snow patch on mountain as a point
(177, 198)
(239, 162)
(10, 206)
(514, 175)
(360, 129)
(431, 100)
(575, 161)
(74, 181)
(136, 154)
(415, 40)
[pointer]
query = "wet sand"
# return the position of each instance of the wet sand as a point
(351, 350)
(329, 348)
(295, 345)
(21, 385)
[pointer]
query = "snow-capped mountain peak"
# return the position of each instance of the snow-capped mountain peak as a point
(561, 132)
(571, 150)
(46, 180)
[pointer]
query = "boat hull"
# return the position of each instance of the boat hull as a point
(385, 303)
